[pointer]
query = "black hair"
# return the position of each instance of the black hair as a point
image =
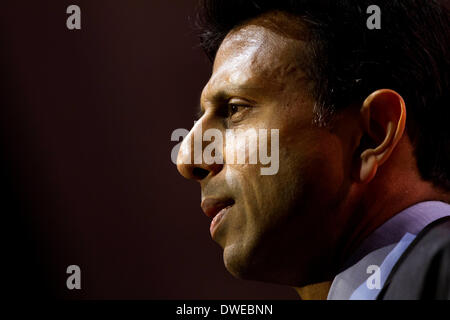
(409, 54)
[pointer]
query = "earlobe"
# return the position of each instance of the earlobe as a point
(383, 116)
(369, 166)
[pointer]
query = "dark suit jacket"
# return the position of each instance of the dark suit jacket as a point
(423, 271)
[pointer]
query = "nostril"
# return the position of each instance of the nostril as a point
(200, 173)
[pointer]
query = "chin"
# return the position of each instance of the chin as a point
(247, 265)
(238, 262)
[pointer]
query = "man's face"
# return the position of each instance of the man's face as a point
(284, 227)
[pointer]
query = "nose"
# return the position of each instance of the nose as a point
(190, 161)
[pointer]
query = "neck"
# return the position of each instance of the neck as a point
(317, 291)
(392, 191)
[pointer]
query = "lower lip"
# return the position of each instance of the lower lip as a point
(216, 220)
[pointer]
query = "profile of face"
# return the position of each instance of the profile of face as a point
(286, 227)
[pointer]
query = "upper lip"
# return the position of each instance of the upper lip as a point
(212, 206)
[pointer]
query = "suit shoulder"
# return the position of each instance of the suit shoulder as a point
(423, 271)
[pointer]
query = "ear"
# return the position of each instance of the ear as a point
(383, 116)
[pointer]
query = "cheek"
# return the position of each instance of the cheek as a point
(323, 180)
(311, 176)
(256, 210)
(328, 170)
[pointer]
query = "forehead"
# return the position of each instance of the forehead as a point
(267, 51)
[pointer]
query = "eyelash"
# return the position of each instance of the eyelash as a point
(227, 111)
(230, 109)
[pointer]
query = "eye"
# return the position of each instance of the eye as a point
(234, 110)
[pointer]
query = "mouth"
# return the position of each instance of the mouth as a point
(216, 209)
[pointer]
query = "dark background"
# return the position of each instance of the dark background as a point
(86, 120)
